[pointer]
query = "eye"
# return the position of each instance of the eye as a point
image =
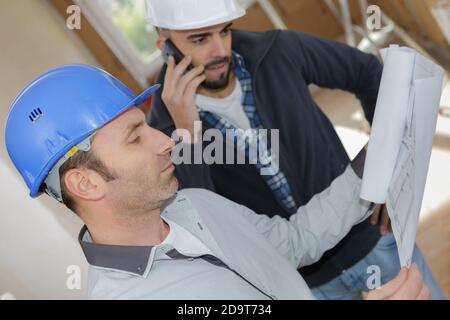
(136, 140)
(225, 32)
(199, 40)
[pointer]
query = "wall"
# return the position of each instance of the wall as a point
(38, 236)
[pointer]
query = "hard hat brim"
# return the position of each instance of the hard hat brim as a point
(144, 95)
(203, 24)
(35, 189)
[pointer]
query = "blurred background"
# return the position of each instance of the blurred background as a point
(38, 248)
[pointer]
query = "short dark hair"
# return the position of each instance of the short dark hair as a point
(85, 159)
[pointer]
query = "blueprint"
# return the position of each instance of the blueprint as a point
(401, 139)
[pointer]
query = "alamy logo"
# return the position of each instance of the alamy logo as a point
(254, 146)
(374, 280)
(74, 20)
(374, 18)
(73, 281)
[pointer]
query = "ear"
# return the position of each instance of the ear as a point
(84, 184)
(160, 42)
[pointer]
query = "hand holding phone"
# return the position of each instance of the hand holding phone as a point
(171, 50)
(180, 85)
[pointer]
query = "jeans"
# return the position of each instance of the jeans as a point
(352, 281)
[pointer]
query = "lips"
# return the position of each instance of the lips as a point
(217, 68)
(168, 166)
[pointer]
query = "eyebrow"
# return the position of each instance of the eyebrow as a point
(205, 34)
(132, 127)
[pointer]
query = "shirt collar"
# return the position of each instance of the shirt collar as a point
(238, 65)
(131, 259)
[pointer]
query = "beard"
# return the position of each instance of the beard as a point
(140, 193)
(160, 192)
(224, 78)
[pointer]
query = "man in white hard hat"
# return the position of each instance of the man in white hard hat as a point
(233, 79)
(91, 149)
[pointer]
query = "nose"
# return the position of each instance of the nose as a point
(161, 144)
(218, 46)
(167, 145)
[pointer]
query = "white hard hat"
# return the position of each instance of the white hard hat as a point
(191, 14)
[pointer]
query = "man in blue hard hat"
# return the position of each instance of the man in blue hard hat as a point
(75, 133)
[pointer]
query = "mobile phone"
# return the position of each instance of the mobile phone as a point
(171, 50)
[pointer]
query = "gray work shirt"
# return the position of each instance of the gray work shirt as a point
(254, 256)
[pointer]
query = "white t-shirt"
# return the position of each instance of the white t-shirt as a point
(183, 241)
(230, 108)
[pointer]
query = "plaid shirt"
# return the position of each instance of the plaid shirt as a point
(252, 140)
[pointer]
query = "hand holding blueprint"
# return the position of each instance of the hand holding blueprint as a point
(400, 143)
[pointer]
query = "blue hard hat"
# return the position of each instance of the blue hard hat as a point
(58, 110)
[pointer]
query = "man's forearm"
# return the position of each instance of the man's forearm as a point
(320, 224)
(329, 216)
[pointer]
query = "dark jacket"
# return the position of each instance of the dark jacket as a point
(282, 65)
